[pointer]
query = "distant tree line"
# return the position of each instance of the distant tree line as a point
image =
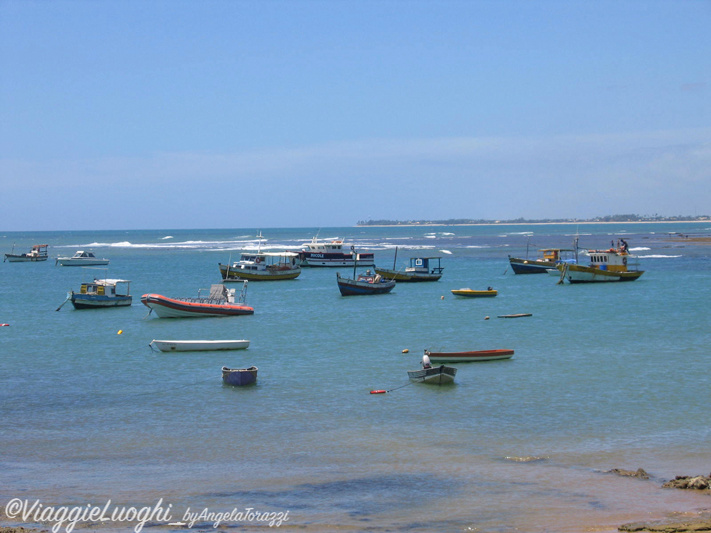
(521, 220)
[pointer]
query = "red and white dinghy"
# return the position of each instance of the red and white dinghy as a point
(466, 357)
(220, 302)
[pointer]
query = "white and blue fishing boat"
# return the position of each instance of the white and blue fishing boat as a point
(334, 253)
(102, 293)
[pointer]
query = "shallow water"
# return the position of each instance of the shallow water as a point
(604, 376)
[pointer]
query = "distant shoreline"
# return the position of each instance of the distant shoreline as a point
(440, 224)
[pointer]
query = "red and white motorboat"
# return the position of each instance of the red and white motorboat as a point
(220, 302)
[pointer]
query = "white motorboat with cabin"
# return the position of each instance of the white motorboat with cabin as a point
(81, 258)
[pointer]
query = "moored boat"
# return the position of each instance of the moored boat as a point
(262, 266)
(333, 253)
(102, 293)
(366, 283)
(465, 357)
(239, 376)
(81, 258)
(473, 293)
(420, 269)
(37, 253)
(613, 264)
(199, 345)
(220, 302)
(436, 375)
(550, 258)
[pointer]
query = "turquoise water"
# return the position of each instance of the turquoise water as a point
(604, 376)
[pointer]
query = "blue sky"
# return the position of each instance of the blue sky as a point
(212, 114)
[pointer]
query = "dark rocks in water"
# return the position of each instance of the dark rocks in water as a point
(639, 473)
(678, 524)
(689, 482)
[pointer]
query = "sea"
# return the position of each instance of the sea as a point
(604, 376)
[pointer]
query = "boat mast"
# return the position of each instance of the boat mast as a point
(395, 260)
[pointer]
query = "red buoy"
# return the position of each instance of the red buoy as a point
(378, 392)
(4, 325)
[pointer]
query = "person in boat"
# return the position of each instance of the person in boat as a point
(426, 362)
(624, 245)
(490, 288)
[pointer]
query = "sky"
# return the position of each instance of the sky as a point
(160, 114)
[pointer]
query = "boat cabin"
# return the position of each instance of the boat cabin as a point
(83, 255)
(321, 246)
(555, 255)
(106, 287)
(38, 250)
(266, 260)
(428, 265)
(613, 260)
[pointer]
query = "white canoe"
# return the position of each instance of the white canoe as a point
(199, 345)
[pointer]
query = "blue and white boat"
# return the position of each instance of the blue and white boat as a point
(334, 253)
(366, 283)
(102, 293)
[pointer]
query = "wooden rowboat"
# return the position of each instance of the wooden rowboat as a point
(465, 357)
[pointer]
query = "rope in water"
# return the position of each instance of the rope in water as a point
(382, 391)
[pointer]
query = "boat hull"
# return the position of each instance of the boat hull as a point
(586, 274)
(238, 377)
(23, 258)
(166, 307)
(94, 301)
(199, 345)
(438, 375)
(467, 357)
(317, 259)
(470, 293)
(404, 277)
(235, 274)
(530, 266)
(82, 262)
